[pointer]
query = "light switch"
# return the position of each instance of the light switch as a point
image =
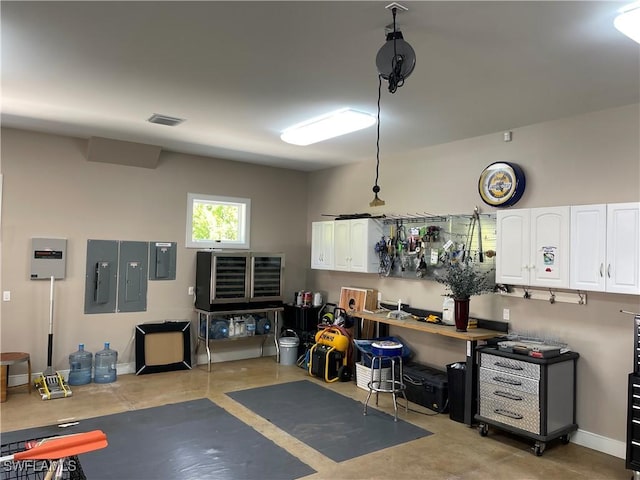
(6, 296)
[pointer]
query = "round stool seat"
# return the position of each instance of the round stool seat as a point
(11, 358)
(387, 353)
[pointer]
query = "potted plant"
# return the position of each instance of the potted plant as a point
(463, 280)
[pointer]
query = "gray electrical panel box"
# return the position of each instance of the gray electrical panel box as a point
(162, 260)
(101, 282)
(132, 276)
(48, 258)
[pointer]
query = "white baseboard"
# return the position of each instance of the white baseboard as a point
(602, 444)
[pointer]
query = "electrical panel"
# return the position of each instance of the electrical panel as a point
(132, 276)
(48, 258)
(162, 260)
(101, 276)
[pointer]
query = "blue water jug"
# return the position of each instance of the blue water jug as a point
(105, 365)
(219, 329)
(263, 326)
(80, 366)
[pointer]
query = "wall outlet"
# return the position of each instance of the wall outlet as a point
(505, 314)
(191, 291)
(6, 296)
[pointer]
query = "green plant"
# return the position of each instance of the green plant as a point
(464, 279)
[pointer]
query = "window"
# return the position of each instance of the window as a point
(217, 222)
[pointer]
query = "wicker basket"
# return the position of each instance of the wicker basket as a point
(363, 375)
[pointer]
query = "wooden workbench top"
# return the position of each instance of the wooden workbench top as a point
(444, 330)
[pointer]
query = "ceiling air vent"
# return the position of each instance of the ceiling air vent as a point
(165, 120)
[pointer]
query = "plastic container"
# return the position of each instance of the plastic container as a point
(218, 329)
(288, 350)
(250, 325)
(263, 327)
(105, 365)
(80, 364)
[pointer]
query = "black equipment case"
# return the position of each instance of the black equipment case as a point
(426, 386)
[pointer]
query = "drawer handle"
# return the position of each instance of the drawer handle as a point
(507, 413)
(508, 395)
(508, 365)
(636, 421)
(635, 444)
(637, 407)
(412, 381)
(507, 381)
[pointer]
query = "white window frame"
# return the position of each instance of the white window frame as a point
(244, 204)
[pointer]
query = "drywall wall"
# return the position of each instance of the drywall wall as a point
(51, 190)
(593, 158)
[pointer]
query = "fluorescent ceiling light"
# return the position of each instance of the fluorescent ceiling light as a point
(628, 22)
(327, 126)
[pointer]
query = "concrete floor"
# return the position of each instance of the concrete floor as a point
(455, 451)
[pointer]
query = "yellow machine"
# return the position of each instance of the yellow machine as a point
(329, 357)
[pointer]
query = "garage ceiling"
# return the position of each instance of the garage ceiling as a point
(241, 72)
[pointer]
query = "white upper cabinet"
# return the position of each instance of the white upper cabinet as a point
(605, 248)
(623, 248)
(533, 247)
(322, 245)
(354, 242)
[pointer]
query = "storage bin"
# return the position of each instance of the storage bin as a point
(365, 347)
(426, 386)
(363, 375)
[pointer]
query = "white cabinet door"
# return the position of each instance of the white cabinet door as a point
(354, 242)
(549, 261)
(322, 245)
(512, 246)
(588, 247)
(533, 247)
(342, 245)
(623, 248)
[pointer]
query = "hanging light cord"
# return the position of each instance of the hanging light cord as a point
(376, 188)
(396, 78)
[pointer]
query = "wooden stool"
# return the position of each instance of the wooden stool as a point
(6, 360)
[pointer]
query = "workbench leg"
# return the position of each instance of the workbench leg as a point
(276, 334)
(470, 383)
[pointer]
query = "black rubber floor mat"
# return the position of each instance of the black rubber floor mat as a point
(188, 440)
(328, 422)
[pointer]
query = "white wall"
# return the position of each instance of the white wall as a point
(51, 190)
(593, 158)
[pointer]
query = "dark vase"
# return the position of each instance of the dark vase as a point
(461, 313)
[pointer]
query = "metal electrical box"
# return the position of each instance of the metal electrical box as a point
(48, 258)
(132, 276)
(101, 281)
(162, 260)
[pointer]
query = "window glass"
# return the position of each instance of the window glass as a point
(217, 222)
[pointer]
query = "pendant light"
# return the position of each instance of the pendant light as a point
(395, 61)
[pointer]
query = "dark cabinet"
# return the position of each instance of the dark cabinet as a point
(633, 423)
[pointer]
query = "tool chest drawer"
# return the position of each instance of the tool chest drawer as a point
(508, 365)
(508, 380)
(531, 397)
(512, 413)
(633, 424)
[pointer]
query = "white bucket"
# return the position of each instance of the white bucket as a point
(288, 350)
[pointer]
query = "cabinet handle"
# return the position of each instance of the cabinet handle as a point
(508, 365)
(508, 395)
(507, 413)
(507, 381)
(609, 270)
(602, 269)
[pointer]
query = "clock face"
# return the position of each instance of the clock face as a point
(501, 184)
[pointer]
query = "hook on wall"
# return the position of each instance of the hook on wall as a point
(580, 298)
(552, 298)
(526, 293)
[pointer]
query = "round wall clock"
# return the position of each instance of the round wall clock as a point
(501, 184)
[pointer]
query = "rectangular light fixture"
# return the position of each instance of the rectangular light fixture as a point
(327, 126)
(628, 22)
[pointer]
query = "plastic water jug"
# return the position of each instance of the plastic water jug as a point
(80, 366)
(105, 365)
(218, 329)
(250, 325)
(263, 327)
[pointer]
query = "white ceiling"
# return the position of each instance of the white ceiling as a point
(241, 72)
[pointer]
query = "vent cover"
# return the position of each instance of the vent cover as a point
(165, 120)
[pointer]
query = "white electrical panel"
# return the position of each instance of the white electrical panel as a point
(48, 258)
